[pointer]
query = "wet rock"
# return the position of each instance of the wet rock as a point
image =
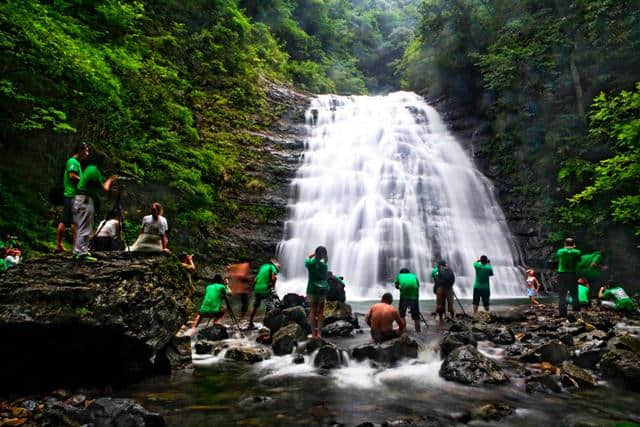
(492, 411)
(313, 344)
(288, 316)
(340, 328)
(216, 332)
(255, 402)
(337, 310)
(264, 336)
(590, 336)
(467, 365)
(177, 354)
(508, 316)
(545, 383)
(623, 367)
(204, 347)
(328, 357)
(118, 313)
(285, 340)
(554, 352)
(248, 353)
(482, 317)
(298, 359)
(459, 327)
(388, 352)
(589, 353)
(503, 335)
(625, 342)
(102, 412)
(454, 340)
(583, 378)
(566, 339)
(292, 300)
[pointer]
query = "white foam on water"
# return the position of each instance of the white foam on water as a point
(384, 185)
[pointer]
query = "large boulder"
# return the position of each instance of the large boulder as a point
(553, 352)
(328, 357)
(286, 339)
(314, 344)
(502, 335)
(545, 383)
(466, 365)
(578, 375)
(292, 300)
(103, 411)
(340, 328)
(250, 353)
(454, 340)
(118, 313)
(296, 314)
(388, 352)
(216, 332)
(177, 354)
(337, 310)
(623, 367)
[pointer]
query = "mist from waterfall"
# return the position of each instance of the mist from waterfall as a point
(384, 185)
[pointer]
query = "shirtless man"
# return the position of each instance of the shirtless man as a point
(381, 317)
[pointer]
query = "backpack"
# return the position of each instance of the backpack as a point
(445, 277)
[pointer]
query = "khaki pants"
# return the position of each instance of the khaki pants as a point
(444, 295)
(83, 210)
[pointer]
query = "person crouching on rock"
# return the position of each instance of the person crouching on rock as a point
(264, 282)
(381, 317)
(317, 287)
(614, 297)
(409, 287)
(212, 303)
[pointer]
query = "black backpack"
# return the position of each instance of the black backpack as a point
(445, 277)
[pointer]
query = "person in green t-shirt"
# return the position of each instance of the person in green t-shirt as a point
(263, 284)
(481, 288)
(317, 288)
(583, 293)
(590, 267)
(70, 179)
(614, 297)
(90, 185)
(211, 306)
(409, 287)
(443, 281)
(568, 259)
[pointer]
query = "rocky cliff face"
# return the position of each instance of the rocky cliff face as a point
(522, 217)
(65, 323)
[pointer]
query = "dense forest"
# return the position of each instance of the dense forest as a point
(173, 91)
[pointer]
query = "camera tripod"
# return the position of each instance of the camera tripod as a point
(115, 213)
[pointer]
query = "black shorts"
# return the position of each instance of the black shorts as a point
(67, 212)
(257, 299)
(384, 336)
(481, 293)
(411, 304)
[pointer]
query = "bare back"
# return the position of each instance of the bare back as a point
(381, 317)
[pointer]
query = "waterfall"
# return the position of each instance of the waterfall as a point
(384, 185)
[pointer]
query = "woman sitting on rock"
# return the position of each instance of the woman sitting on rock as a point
(153, 235)
(317, 287)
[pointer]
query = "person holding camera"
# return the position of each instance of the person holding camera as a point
(89, 187)
(568, 259)
(443, 279)
(409, 286)
(481, 288)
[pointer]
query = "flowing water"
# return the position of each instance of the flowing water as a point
(384, 185)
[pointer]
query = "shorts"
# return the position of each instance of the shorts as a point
(481, 293)
(531, 292)
(317, 299)
(384, 336)
(257, 300)
(411, 304)
(67, 212)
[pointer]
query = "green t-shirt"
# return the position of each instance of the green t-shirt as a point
(620, 298)
(73, 165)
(568, 259)
(585, 269)
(408, 284)
(583, 296)
(483, 272)
(263, 278)
(91, 182)
(318, 273)
(213, 298)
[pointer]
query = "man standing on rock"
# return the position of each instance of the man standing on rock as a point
(91, 184)
(568, 259)
(443, 279)
(409, 287)
(381, 317)
(72, 174)
(481, 289)
(264, 282)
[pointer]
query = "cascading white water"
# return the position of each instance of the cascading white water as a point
(384, 185)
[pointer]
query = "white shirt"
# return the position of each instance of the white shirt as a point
(109, 229)
(159, 227)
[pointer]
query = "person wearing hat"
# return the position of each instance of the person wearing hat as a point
(533, 286)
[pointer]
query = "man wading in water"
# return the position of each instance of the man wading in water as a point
(381, 317)
(409, 287)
